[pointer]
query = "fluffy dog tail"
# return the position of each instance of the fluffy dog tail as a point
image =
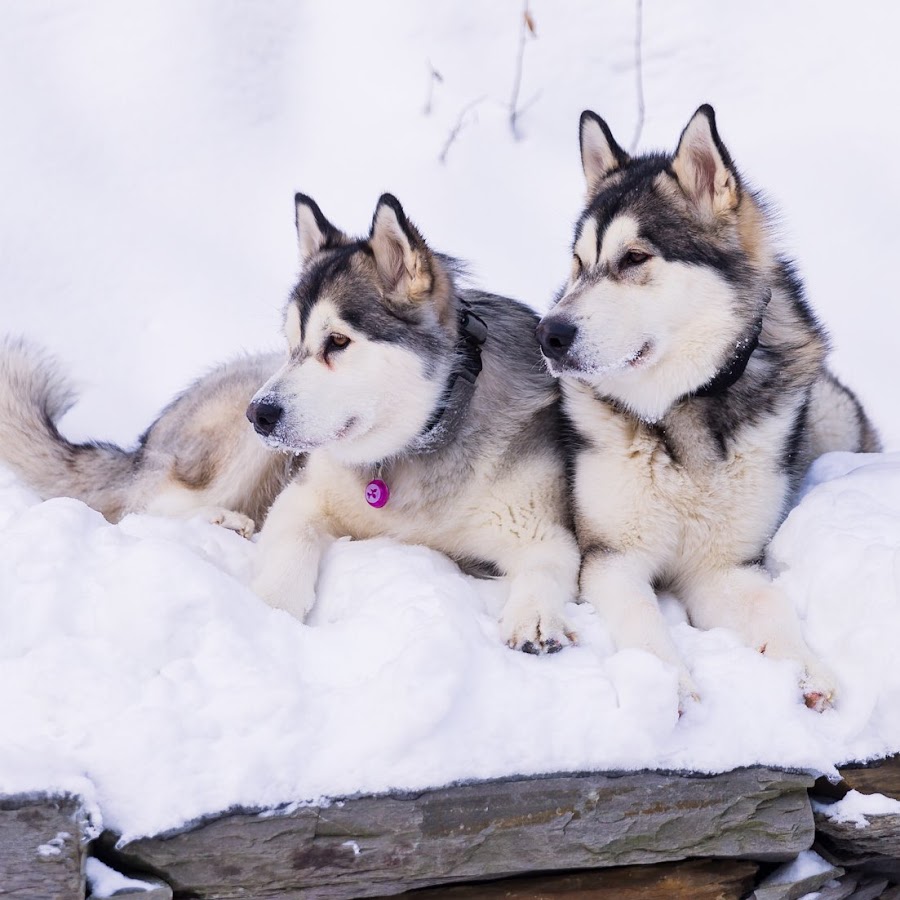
(34, 394)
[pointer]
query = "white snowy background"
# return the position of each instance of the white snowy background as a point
(149, 154)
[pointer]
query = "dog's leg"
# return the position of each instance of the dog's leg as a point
(745, 600)
(543, 578)
(519, 527)
(618, 585)
(290, 548)
(183, 503)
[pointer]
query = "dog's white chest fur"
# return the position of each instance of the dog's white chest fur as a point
(678, 502)
(470, 519)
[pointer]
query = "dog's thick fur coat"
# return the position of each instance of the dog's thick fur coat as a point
(695, 383)
(375, 328)
(198, 458)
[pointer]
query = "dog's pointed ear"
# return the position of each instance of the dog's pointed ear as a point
(314, 232)
(600, 154)
(703, 165)
(402, 257)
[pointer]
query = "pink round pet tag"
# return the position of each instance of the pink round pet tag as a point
(377, 493)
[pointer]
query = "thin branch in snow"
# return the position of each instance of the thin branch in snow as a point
(638, 74)
(528, 28)
(461, 122)
(530, 102)
(434, 77)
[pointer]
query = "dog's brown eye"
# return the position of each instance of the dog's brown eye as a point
(336, 341)
(633, 258)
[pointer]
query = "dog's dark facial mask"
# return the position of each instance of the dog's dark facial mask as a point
(371, 331)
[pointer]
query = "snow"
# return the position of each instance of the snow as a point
(855, 807)
(807, 864)
(136, 656)
(106, 882)
(150, 154)
(54, 846)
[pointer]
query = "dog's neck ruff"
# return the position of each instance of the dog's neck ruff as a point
(732, 371)
(458, 393)
(460, 388)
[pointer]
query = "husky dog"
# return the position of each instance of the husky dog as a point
(694, 379)
(199, 458)
(425, 414)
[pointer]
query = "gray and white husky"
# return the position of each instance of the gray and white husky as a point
(695, 383)
(407, 407)
(425, 414)
(199, 458)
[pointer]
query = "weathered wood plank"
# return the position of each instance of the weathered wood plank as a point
(880, 777)
(41, 848)
(378, 846)
(695, 879)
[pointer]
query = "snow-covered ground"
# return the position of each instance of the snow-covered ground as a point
(148, 158)
(136, 658)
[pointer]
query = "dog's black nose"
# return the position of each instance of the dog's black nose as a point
(555, 337)
(264, 416)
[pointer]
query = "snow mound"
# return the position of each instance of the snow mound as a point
(137, 666)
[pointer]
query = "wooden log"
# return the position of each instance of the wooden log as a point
(694, 879)
(383, 845)
(41, 847)
(879, 777)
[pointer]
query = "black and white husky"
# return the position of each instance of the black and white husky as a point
(694, 377)
(411, 408)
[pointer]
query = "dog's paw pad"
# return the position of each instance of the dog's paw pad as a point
(536, 637)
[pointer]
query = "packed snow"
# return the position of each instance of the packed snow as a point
(136, 656)
(150, 154)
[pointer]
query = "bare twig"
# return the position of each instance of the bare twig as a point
(461, 122)
(528, 28)
(434, 77)
(638, 74)
(530, 102)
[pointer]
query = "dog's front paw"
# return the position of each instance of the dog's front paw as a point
(535, 630)
(818, 686)
(233, 521)
(279, 592)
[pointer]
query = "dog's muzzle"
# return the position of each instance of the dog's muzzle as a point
(555, 337)
(264, 416)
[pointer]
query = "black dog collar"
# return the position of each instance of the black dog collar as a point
(737, 365)
(460, 387)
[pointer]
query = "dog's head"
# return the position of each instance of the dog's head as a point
(666, 270)
(371, 326)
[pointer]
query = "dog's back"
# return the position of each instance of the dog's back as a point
(199, 456)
